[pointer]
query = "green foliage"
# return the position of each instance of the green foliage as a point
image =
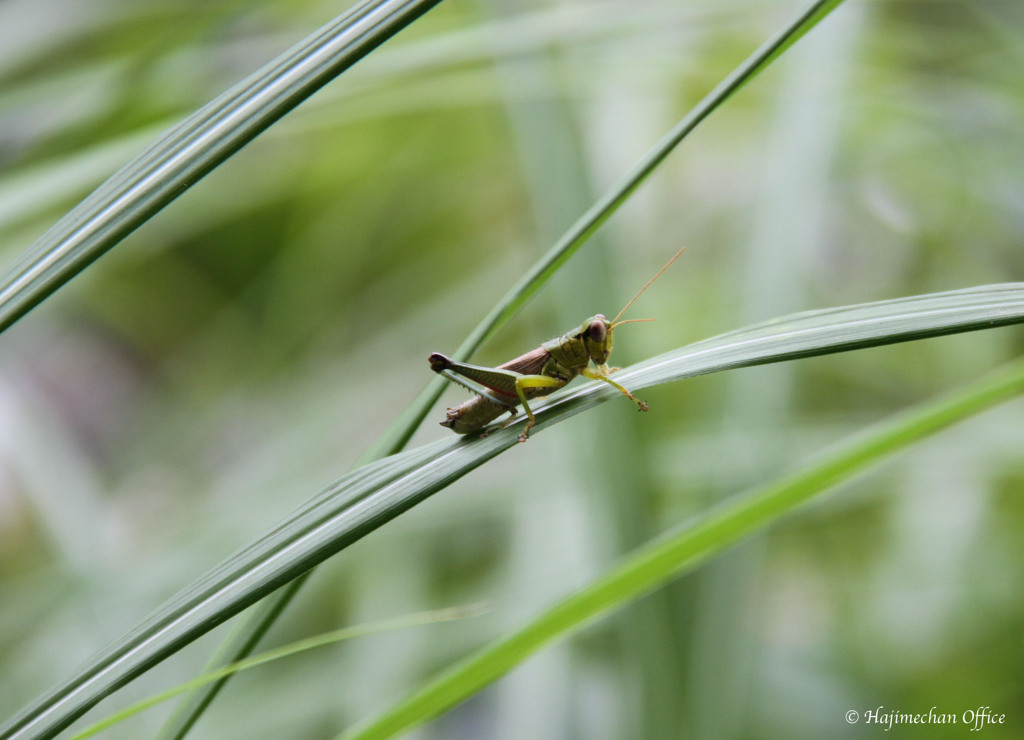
(251, 340)
(686, 548)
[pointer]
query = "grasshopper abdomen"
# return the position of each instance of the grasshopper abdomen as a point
(474, 415)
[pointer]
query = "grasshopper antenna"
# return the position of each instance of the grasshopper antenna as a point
(615, 321)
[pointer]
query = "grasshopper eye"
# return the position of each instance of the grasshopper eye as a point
(598, 331)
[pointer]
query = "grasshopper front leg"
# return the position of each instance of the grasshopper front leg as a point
(602, 373)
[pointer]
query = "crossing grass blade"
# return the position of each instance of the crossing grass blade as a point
(285, 651)
(586, 225)
(681, 551)
(394, 439)
(372, 495)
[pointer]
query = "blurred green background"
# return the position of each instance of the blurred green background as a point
(241, 350)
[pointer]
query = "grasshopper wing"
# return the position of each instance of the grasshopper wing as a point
(529, 364)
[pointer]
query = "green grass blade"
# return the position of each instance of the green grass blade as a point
(189, 151)
(285, 651)
(394, 439)
(161, 635)
(372, 495)
(398, 434)
(661, 561)
(242, 641)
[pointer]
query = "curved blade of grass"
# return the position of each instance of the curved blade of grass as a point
(394, 439)
(656, 564)
(398, 434)
(372, 495)
(299, 646)
(189, 151)
(244, 637)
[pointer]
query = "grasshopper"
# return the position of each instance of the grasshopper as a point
(539, 372)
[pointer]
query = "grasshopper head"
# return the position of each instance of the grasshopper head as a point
(597, 337)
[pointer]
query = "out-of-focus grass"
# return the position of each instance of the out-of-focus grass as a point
(233, 346)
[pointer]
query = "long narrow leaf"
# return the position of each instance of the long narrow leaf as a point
(394, 439)
(399, 433)
(189, 151)
(370, 496)
(285, 651)
(681, 551)
(243, 640)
